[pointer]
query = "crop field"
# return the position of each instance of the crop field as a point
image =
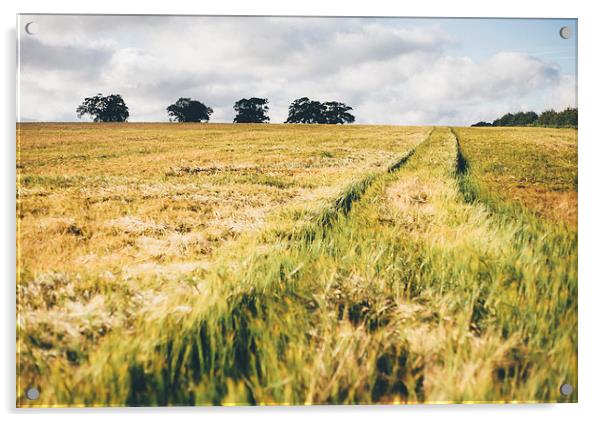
(201, 264)
(536, 167)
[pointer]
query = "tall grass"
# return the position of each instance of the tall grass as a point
(539, 296)
(114, 220)
(244, 339)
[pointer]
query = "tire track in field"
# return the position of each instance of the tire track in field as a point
(500, 281)
(540, 290)
(462, 260)
(341, 206)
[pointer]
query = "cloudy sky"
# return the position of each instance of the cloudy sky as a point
(390, 70)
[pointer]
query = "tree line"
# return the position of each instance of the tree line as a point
(112, 108)
(549, 118)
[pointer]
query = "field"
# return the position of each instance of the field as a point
(181, 264)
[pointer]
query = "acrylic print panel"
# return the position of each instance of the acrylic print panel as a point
(288, 210)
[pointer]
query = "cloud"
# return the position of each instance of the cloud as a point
(456, 90)
(562, 94)
(389, 72)
(36, 55)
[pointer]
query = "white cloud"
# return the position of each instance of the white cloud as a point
(388, 73)
(562, 94)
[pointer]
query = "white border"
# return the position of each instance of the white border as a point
(590, 211)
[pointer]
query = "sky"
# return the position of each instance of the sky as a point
(401, 71)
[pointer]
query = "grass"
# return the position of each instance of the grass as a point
(412, 281)
(112, 221)
(535, 167)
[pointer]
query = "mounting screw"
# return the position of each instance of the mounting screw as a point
(566, 389)
(565, 32)
(32, 393)
(31, 28)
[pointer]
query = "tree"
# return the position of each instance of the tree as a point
(187, 110)
(252, 110)
(337, 113)
(519, 119)
(548, 118)
(568, 117)
(530, 117)
(111, 108)
(506, 120)
(482, 124)
(524, 119)
(304, 110)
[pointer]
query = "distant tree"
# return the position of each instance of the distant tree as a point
(519, 119)
(111, 108)
(187, 110)
(568, 117)
(525, 119)
(531, 117)
(304, 110)
(506, 120)
(481, 124)
(337, 113)
(252, 110)
(548, 118)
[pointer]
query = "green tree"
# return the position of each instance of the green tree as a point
(568, 117)
(187, 110)
(111, 108)
(337, 113)
(548, 118)
(506, 120)
(304, 110)
(251, 110)
(525, 118)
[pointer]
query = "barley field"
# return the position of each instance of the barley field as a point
(206, 264)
